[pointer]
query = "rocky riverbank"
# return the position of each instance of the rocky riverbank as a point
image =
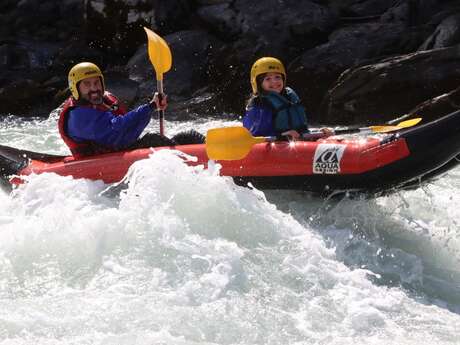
(351, 61)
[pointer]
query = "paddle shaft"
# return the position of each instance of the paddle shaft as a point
(318, 134)
(312, 136)
(161, 113)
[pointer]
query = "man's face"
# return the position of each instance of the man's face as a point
(91, 89)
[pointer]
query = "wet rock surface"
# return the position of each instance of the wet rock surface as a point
(351, 62)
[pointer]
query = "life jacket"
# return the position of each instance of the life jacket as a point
(87, 148)
(288, 113)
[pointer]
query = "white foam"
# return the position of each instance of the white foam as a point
(184, 256)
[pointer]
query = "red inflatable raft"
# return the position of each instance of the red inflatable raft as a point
(374, 163)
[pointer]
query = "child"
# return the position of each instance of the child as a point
(274, 109)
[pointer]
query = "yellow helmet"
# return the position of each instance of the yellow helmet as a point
(265, 65)
(82, 71)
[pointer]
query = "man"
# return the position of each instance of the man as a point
(93, 121)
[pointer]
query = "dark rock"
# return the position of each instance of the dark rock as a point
(72, 13)
(359, 8)
(116, 26)
(7, 5)
(411, 12)
(120, 85)
(392, 87)
(215, 42)
(274, 25)
(318, 69)
(221, 19)
(446, 34)
(213, 2)
(190, 52)
(172, 15)
(27, 6)
(76, 52)
(12, 57)
(436, 107)
(16, 95)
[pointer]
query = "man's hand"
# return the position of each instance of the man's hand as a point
(160, 101)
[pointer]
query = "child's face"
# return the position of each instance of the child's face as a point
(273, 82)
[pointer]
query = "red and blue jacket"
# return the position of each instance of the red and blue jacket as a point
(89, 129)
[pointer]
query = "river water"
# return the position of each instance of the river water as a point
(180, 255)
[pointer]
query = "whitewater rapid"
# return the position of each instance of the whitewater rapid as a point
(179, 255)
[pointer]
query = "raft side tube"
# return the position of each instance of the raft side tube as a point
(13, 160)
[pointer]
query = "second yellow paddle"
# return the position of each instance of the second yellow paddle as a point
(233, 143)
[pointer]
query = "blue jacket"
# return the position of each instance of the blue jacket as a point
(271, 114)
(107, 129)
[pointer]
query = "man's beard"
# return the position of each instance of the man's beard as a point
(94, 97)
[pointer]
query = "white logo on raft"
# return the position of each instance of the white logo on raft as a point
(327, 159)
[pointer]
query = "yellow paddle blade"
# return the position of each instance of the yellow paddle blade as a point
(159, 53)
(409, 123)
(230, 143)
(383, 129)
(403, 124)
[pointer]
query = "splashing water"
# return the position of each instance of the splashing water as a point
(180, 255)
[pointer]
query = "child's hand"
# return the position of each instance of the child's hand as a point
(292, 133)
(327, 131)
